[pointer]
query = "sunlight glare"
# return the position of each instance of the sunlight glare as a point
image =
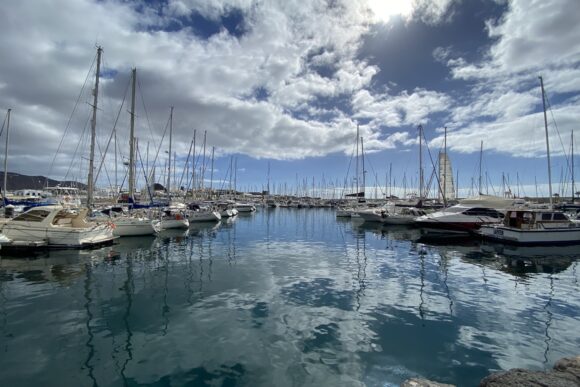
(383, 10)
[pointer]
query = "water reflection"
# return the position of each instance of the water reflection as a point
(285, 297)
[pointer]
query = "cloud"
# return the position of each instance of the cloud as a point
(503, 102)
(433, 12)
(401, 110)
(262, 93)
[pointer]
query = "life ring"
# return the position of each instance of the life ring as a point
(177, 217)
(66, 199)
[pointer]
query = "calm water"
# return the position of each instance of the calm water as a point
(284, 298)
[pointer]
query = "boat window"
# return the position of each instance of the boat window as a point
(560, 216)
(32, 216)
(547, 216)
(482, 212)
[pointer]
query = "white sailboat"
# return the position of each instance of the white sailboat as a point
(133, 224)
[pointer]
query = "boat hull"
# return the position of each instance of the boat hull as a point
(399, 220)
(60, 237)
(134, 227)
(570, 236)
(204, 216)
(169, 224)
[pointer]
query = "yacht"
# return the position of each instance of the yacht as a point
(459, 219)
(57, 226)
(533, 227)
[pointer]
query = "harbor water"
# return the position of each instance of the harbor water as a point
(285, 297)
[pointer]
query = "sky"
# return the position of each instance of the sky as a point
(280, 87)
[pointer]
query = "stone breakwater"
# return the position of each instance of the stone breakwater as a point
(566, 373)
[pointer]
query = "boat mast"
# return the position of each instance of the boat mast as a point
(211, 175)
(362, 151)
(6, 155)
(169, 161)
(420, 162)
(547, 140)
(445, 168)
(132, 138)
(203, 163)
(90, 182)
(480, 162)
(356, 174)
(572, 154)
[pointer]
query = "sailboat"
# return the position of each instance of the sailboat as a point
(173, 216)
(350, 210)
(135, 223)
(535, 226)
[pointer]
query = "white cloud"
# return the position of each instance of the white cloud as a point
(532, 38)
(401, 110)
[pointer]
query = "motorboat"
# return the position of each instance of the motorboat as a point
(467, 216)
(58, 226)
(533, 227)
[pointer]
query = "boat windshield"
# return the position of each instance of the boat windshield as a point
(36, 215)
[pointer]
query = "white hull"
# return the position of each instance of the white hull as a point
(56, 226)
(167, 224)
(59, 237)
(532, 237)
(134, 227)
(203, 216)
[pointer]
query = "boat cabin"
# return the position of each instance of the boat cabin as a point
(528, 219)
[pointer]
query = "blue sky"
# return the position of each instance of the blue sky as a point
(285, 83)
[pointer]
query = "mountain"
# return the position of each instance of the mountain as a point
(17, 181)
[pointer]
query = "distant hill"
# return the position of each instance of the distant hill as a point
(17, 181)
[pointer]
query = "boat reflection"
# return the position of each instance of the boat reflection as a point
(521, 260)
(205, 227)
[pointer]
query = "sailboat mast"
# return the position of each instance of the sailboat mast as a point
(132, 138)
(6, 154)
(547, 140)
(169, 161)
(572, 156)
(203, 163)
(356, 173)
(211, 175)
(480, 162)
(90, 182)
(362, 149)
(445, 168)
(420, 161)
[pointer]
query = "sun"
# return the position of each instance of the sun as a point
(383, 10)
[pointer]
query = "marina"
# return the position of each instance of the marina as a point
(289, 193)
(286, 297)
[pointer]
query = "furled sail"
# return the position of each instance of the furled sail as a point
(446, 177)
